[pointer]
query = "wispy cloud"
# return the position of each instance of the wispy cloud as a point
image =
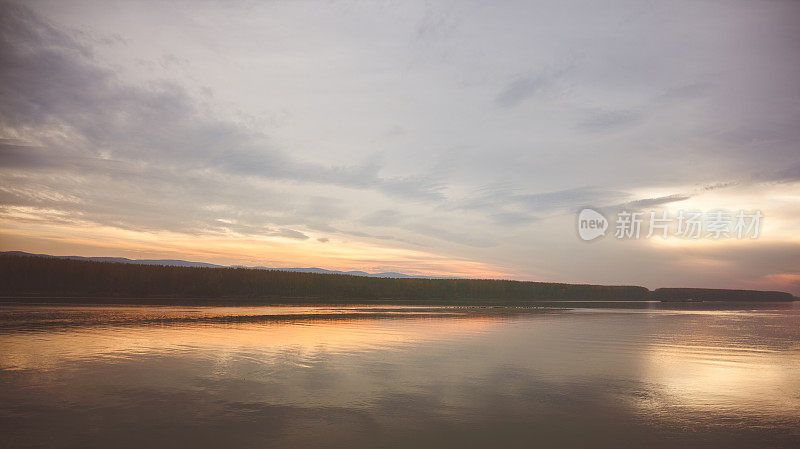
(658, 201)
(527, 86)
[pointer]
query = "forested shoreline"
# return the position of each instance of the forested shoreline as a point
(32, 276)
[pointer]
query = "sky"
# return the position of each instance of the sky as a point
(446, 138)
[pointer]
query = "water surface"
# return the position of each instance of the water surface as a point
(609, 375)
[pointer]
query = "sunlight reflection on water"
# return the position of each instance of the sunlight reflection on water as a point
(366, 376)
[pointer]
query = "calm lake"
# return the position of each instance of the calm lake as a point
(585, 375)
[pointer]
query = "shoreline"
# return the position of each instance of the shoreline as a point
(309, 302)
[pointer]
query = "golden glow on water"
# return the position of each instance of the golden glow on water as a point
(724, 380)
(298, 331)
(647, 372)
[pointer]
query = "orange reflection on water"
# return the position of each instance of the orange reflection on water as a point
(724, 380)
(731, 366)
(266, 330)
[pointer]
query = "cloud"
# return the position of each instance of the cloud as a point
(525, 87)
(513, 218)
(296, 123)
(791, 173)
(384, 217)
(146, 149)
(650, 202)
(496, 197)
(453, 236)
(605, 120)
(292, 234)
(50, 81)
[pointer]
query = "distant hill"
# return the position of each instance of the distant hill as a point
(169, 262)
(385, 274)
(186, 263)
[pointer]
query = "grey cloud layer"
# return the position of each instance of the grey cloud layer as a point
(50, 80)
(152, 146)
(456, 127)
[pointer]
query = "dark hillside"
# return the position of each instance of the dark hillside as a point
(40, 276)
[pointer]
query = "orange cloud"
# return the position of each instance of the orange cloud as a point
(29, 232)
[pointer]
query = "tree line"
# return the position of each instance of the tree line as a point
(55, 277)
(45, 276)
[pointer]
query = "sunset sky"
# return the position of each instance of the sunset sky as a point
(441, 138)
